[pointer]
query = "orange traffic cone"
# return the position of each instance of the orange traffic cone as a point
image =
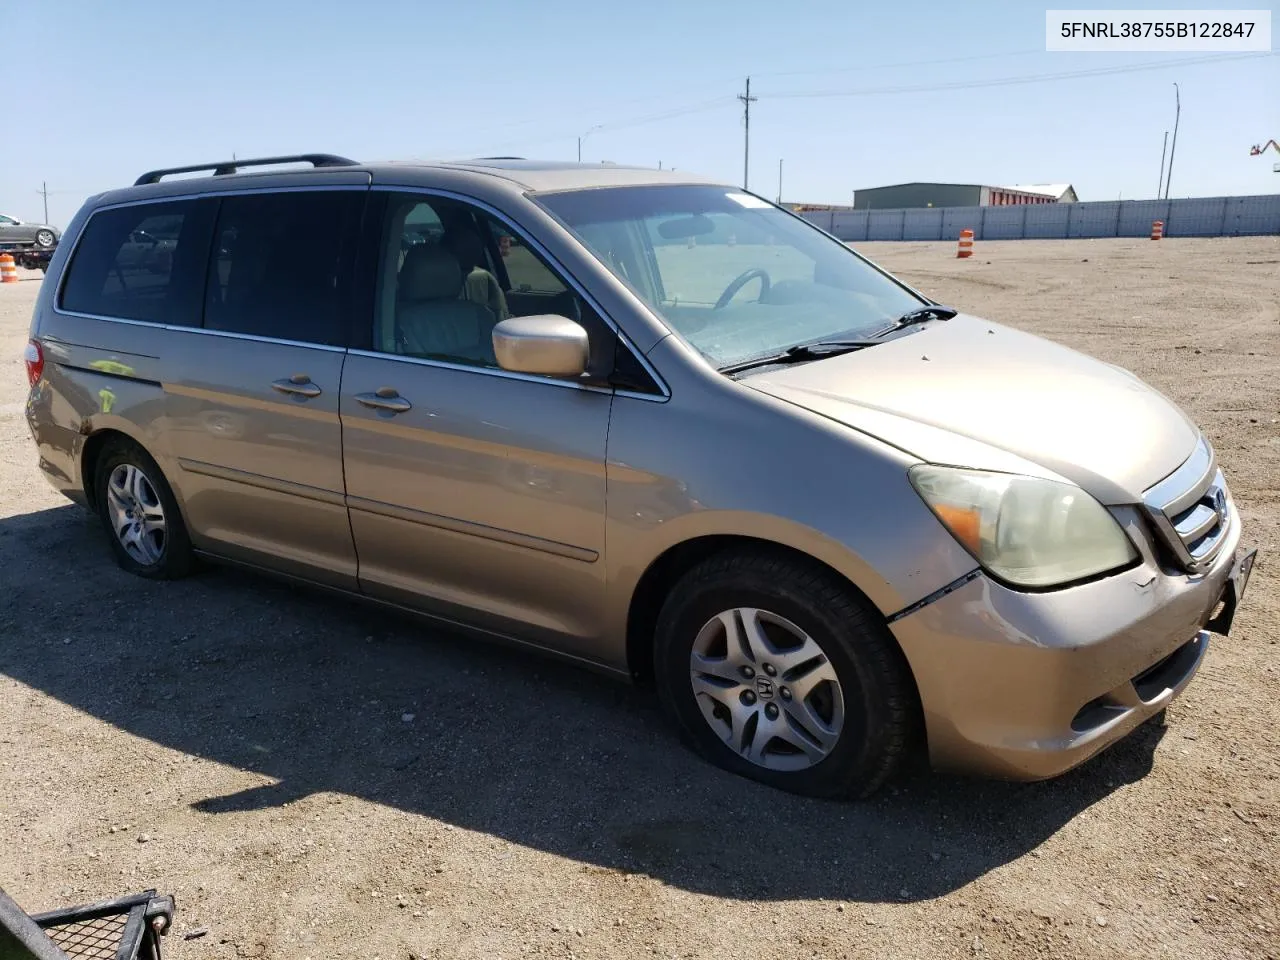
(1157, 229)
(8, 271)
(966, 245)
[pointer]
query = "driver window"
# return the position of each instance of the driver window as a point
(450, 273)
(426, 306)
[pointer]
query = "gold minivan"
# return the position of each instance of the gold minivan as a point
(650, 423)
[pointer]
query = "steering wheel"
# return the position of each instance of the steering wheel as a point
(740, 281)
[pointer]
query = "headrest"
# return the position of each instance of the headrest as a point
(467, 246)
(429, 272)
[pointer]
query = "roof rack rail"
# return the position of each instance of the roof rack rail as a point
(227, 167)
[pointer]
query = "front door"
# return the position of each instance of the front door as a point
(474, 493)
(253, 395)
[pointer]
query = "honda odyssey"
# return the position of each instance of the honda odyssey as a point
(649, 423)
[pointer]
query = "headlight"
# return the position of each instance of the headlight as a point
(1025, 530)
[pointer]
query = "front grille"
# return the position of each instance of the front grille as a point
(1190, 510)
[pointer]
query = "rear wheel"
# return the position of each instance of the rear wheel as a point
(780, 672)
(140, 514)
(44, 238)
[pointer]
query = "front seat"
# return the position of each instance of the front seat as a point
(431, 320)
(478, 284)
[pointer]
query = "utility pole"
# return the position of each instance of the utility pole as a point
(44, 192)
(1163, 149)
(747, 99)
(779, 181)
(584, 136)
(1173, 148)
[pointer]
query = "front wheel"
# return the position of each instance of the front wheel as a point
(44, 238)
(781, 672)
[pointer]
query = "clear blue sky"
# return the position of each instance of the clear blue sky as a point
(97, 92)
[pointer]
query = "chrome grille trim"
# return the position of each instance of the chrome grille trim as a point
(1190, 509)
(1198, 522)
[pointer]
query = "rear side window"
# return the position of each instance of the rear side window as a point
(143, 262)
(276, 266)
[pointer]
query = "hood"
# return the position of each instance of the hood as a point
(967, 392)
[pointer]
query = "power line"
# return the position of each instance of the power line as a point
(932, 61)
(620, 125)
(1012, 81)
(667, 114)
(541, 121)
(703, 105)
(862, 68)
(716, 102)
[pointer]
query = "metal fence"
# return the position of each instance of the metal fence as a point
(1191, 217)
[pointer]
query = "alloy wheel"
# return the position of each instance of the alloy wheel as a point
(767, 689)
(136, 514)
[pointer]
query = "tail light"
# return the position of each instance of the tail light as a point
(33, 357)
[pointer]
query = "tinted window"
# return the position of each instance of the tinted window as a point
(144, 262)
(277, 265)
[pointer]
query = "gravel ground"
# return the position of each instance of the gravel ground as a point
(313, 779)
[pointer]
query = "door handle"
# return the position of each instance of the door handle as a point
(299, 385)
(385, 398)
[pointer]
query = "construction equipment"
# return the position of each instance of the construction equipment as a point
(1257, 150)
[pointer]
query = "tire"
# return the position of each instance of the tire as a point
(152, 553)
(44, 238)
(853, 649)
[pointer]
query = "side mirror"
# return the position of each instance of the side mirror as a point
(544, 344)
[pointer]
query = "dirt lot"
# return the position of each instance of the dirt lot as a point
(312, 779)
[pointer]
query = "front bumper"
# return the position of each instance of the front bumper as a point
(1028, 685)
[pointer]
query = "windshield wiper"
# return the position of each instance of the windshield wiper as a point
(801, 353)
(933, 311)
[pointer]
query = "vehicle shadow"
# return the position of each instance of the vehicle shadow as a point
(311, 691)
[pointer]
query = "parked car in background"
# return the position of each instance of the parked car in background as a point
(15, 232)
(666, 429)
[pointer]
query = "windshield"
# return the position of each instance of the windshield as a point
(735, 276)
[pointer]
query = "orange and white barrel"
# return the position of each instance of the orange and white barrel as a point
(966, 245)
(8, 270)
(1157, 229)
